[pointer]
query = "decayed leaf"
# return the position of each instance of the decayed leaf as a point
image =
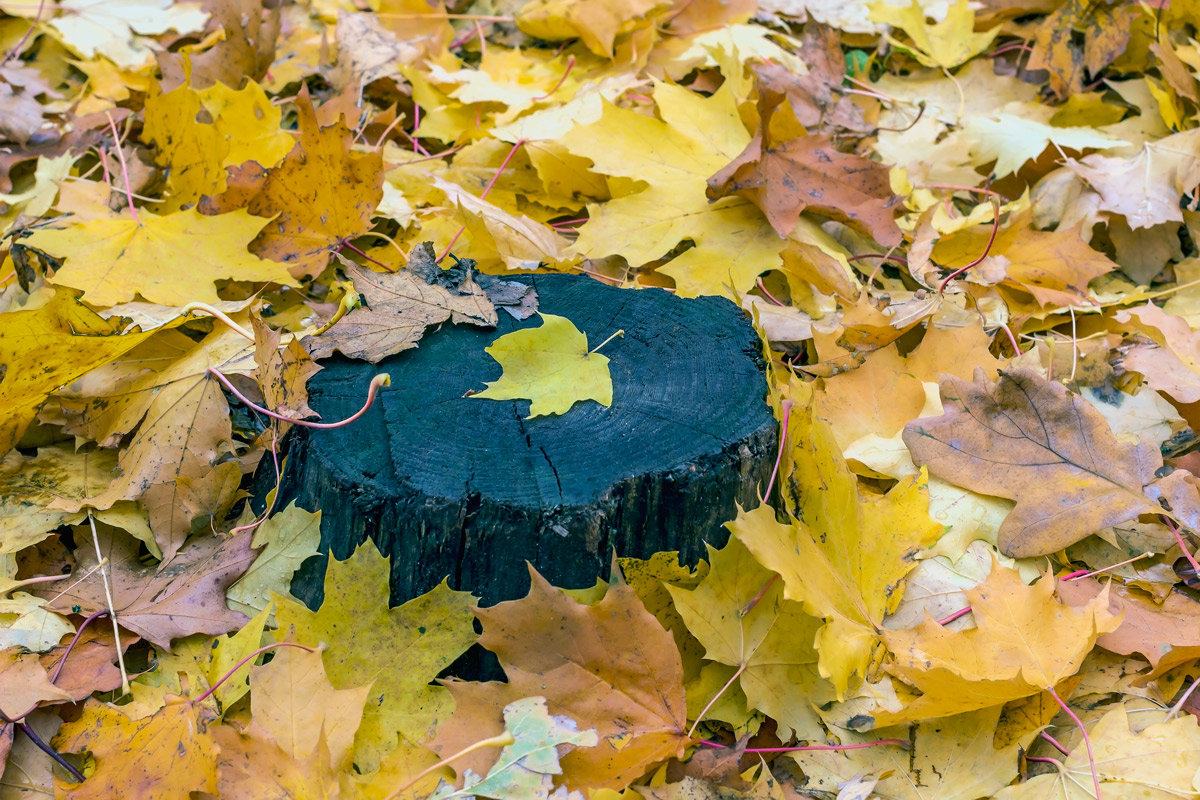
(1024, 641)
(168, 755)
(400, 308)
(320, 194)
(524, 768)
(550, 366)
(400, 649)
(1032, 441)
(184, 595)
(609, 665)
(846, 556)
(770, 644)
(1156, 763)
(116, 29)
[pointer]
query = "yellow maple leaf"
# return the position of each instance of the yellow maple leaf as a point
(845, 558)
(1025, 640)
(244, 127)
(550, 366)
(944, 44)
(44, 349)
(676, 155)
(172, 260)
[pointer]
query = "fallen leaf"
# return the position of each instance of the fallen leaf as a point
(116, 29)
(400, 649)
(524, 768)
(696, 137)
(550, 366)
(844, 559)
(131, 753)
(295, 706)
(182, 596)
(319, 196)
(25, 684)
(113, 260)
(400, 308)
(1032, 441)
(609, 665)
(285, 540)
(945, 44)
(45, 349)
(1156, 763)
(1024, 641)
(767, 638)
(596, 22)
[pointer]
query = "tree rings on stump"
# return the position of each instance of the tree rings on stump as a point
(448, 485)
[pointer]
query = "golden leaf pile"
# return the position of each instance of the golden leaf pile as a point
(968, 233)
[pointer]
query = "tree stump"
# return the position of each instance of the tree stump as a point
(449, 485)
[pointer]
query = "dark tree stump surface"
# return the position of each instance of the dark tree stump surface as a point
(448, 485)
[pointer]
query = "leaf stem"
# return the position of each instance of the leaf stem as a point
(124, 168)
(596, 349)
(382, 379)
(513, 151)
(1087, 742)
(741, 668)
(500, 740)
(250, 657)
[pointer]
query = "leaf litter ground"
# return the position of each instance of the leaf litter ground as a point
(967, 234)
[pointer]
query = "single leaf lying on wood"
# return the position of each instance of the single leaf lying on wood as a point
(1032, 441)
(609, 665)
(160, 602)
(400, 307)
(551, 366)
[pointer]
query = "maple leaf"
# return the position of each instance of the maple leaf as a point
(844, 559)
(111, 260)
(319, 196)
(244, 126)
(1145, 187)
(1053, 266)
(1019, 132)
(807, 172)
(169, 754)
(400, 649)
(1157, 763)
(182, 596)
(596, 22)
(696, 137)
(946, 44)
(115, 28)
(770, 644)
(171, 416)
(45, 349)
(550, 366)
(1172, 363)
(1030, 440)
(286, 540)
(25, 684)
(294, 705)
(525, 766)
(608, 665)
(1077, 41)
(1025, 640)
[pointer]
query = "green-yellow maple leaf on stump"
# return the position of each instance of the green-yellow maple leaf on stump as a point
(550, 366)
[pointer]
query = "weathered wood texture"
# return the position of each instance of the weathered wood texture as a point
(448, 485)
